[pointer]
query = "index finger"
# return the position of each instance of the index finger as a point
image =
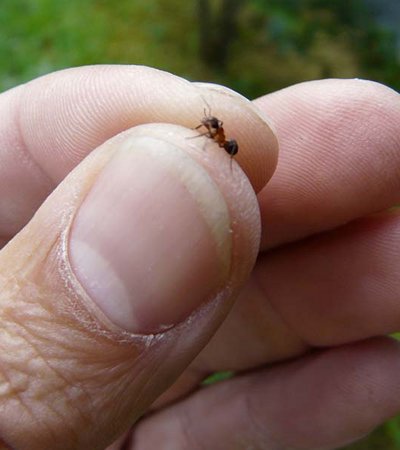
(50, 124)
(339, 156)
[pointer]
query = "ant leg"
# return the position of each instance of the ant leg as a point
(199, 135)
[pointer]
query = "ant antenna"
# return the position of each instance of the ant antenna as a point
(206, 114)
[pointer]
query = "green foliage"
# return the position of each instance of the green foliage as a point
(216, 377)
(276, 43)
(44, 35)
(40, 36)
(392, 429)
(308, 39)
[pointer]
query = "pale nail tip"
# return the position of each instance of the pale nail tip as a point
(101, 283)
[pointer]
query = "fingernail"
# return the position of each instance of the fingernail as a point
(151, 241)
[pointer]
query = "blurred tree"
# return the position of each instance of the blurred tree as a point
(287, 42)
(217, 29)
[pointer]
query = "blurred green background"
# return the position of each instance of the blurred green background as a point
(253, 46)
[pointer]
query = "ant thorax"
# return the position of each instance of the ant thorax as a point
(216, 132)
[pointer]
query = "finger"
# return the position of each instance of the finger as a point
(50, 124)
(339, 156)
(331, 289)
(322, 401)
(342, 286)
(255, 333)
(334, 289)
(115, 285)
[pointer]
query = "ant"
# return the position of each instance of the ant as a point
(215, 131)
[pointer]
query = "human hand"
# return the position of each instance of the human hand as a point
(305, 331)
(303, 335)
(72, 377)
(134, 259)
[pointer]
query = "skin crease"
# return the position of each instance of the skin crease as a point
(324, 285)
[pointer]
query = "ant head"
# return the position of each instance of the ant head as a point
(231, 147)
(212, 123)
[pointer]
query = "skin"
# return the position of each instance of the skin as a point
(312, 262)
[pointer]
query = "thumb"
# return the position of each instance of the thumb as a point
(116, 284)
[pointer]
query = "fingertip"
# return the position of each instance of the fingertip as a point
(339, 153)
(119, 367)
(55, 121)
(249, 126)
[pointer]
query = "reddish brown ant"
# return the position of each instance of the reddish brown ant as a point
(215, 131)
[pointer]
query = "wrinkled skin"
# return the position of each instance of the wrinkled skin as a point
(305, 274)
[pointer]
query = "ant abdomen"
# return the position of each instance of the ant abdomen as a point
(231, 147)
